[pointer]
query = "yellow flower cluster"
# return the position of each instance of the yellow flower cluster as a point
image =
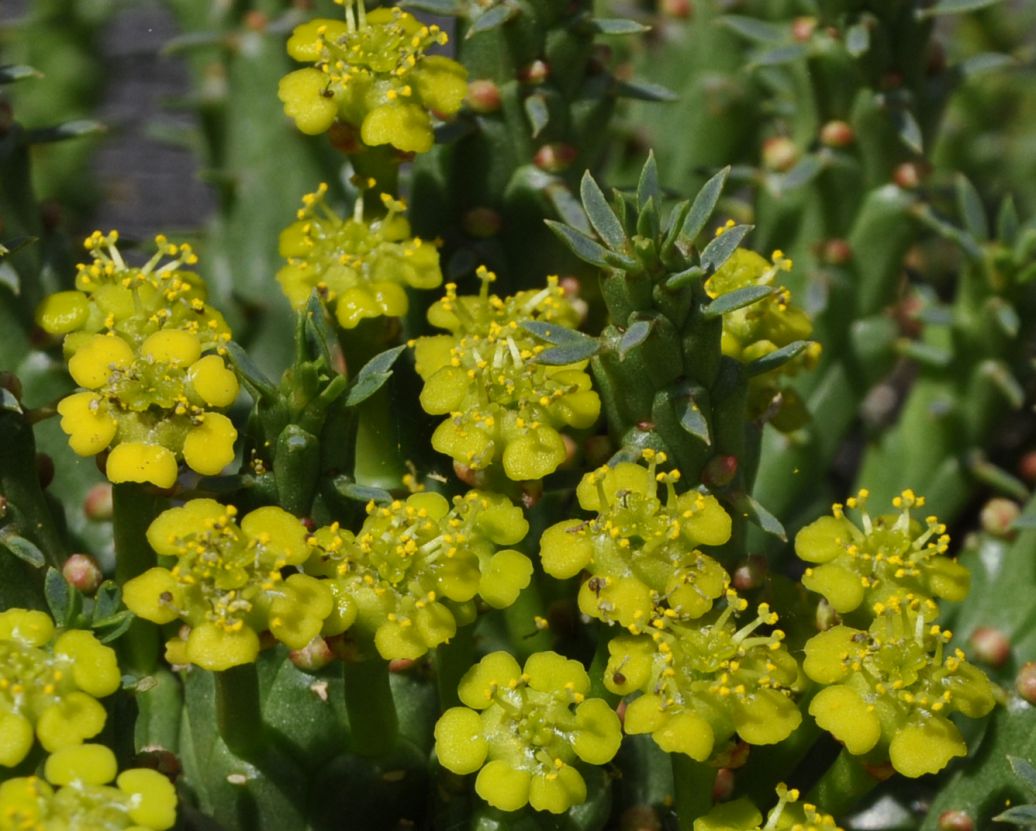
(142, 345)
(410, 575)
(228, 583)
(49, 684)
(371, 71)
(75, 795)
(359, 267)
(787, 815)
(502, 403)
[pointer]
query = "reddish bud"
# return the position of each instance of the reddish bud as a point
(680, 9)
(344, 138)
(723, 787)
(97, 505)
(645, 426)
(313, 656)
(44, 469)
(1025, 682)
(256, 20)
(733, 756)
(555, 157)
(998, 515)
(482, 223)
(802, 28)
(640, 818)
(1027, 467)
(990, 646)
(908, 175)
(955, 821)
(836, 252)
(891, 80)
(779, 153)
(401, 664)
(535, 73)
(308, 523)
(720, 471)
(469, 476)
(750, 574)
(156, 757)
(837, 134)
(83, 573)
(571, 447)
(51, 214)
(483, 96)
(880, 770)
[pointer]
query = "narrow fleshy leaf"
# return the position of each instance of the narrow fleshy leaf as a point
(758, 515)
(1018, 815)
(996, 477)
(448, 8)
(360, 493)
(22, 548)
(685, 277)
(648, 187)
(704, 205)
(15, 244)
(17, 72)
(644, 91)
(693, 420)
(985, 62)
(248, 371)
(775, 359)
(496, 17)
(1007, 222)
(373, 376)
(600, 214)
(617, 26)
(59, 597)
(538, 113)
(569, 208)
(909, 130)
(569, 353)
(68, 130)
(954, 7)
(754, 29)
(720, 248)
(779, 56)
(804, 172)
(635, 335)
(736, 300)
(972, 210)
(581, 245)
(1024, 771)
(556, 335)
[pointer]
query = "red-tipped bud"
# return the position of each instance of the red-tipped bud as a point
(482, 223)
(956, 821)
(483, 96)
(344, 138)
(909, 175)
(750, 574)
(802, 28)
(779, 153)
(723, 787)
(256, 20)
(720, 471)
(97, 505)
(535, 73)
(733, 756)
(1027, 467)
(680, 9)
(83, 573)
(308, 523)
(998, 515)
(555, 157)
(401, 664)
(1025, 682)
(837, 134)
(836, 252)
(313, 656)
(990, 646)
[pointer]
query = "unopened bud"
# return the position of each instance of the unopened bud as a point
(908, 175)
(990, 646)
(256, 20)
(640, 818)
(535, 73)
(483, 96)
(401, 664)
(308, 523)
(555, 157)
(720, 471)
(734, 755)
(802, 28)
(469, 476)
(680, 9)
(83, 573)
(1027, 467)
(836, 252)
(1025, 682)
(998, 516)
(97, 504)
(532, 493)
(780, 153)
(313, 656)
(571, 448)
(344, 138)
(723, 787)
(44, 469)
(837, 134)
(955, 821)
(482, 223)
(750, 574)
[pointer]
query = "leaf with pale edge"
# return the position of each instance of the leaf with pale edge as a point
(720, 248)
(644, 91)
(493, 19)
(360, 493)
(704, 205)
(972, 211)
(648, 186)
(22, 548)
(538, 112)
(600, 214)
(17, 72)
(776, 359)
(249, 373)
(955, 7)
(579, 244)
(693, 420)
(635, 335)
(758, 515)
(617, 26)
(59, 596)
(1024, 771)
(736, 300)
(373, 376)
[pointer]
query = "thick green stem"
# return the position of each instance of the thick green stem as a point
(372, 711)
(844, 784)
(238, 714)
(452, 660)
(134, 509)
(692, 783)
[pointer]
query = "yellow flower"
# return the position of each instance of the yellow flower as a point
(228, 583)
(371, 71)
(49, 684)
(359, 267)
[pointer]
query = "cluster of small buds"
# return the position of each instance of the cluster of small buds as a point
(360, 268)
(409, 577)
(228, 583)
(763, 327)
(890, 688)
(49, 684)
(640, 552)
(860, 564)
(502, 403)
(705, 679)
(787, 815)
(141, 344)
(74, 793)
(371, 71)
(130, 301)
(153, 404)
(524, 728)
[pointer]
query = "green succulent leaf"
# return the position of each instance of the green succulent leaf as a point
(250, 373)
(693, 420)
(68, 130)
(601, 215)
(753, 29)
(588, 250)
(373, 376)
(972, 210)
(736, 300)
(1024, 771)
(17, 72)
(858, 39)
(648, 188)
(1024, 815)
(538, 113)
(360, 493)
(757, 514)
(704, 204)
(908, 129)
(635, 335)
(720, 248)
(22, 548)
(63, 600)
(954, 7)
(449, 8)
(617, 26)
(776, 359)
(493, 19)
(644, 91)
